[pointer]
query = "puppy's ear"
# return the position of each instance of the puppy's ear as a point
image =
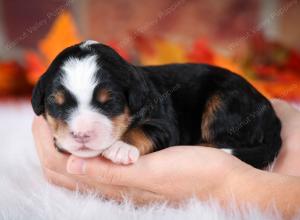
(130, 77)
(38, 96)
(137, 93)
(136, 98)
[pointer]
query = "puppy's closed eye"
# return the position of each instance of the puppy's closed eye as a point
(103, 95)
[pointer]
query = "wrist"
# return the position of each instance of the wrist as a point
(287, 161)
(264, 190)
(240, 176)
(236, 183)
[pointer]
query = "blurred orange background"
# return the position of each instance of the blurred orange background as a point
(257, 39)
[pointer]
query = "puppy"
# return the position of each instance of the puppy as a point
(98, 104)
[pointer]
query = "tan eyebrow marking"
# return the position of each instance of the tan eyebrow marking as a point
(59, 97)
(103, 95)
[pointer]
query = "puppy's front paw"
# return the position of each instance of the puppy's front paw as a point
(122, 153)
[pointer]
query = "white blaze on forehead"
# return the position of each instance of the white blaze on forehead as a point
(79, 77)
(88, 43)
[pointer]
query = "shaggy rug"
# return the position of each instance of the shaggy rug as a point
(24, 193)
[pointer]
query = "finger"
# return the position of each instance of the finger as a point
(61, 180)
(135, 175)
(146, 172)
(138, 196)
(48, 155)
(107, 172)
(104, 170)
(42, 133)
(285, 111)
(117, 193)
(84, 185)
(35, 132)
(289, 117)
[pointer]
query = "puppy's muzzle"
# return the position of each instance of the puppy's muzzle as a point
(83, 137)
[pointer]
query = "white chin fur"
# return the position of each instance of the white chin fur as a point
(86, 153)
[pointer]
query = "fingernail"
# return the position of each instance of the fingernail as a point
(75, 166)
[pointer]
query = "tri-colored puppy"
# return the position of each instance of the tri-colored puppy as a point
(98, 104)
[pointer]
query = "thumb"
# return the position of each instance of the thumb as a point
(103, 170)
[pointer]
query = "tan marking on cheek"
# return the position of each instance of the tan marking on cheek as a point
(103, 95)
(139, 139)
(120, 124)
(59, 98)
(208, 117)
(58, 127)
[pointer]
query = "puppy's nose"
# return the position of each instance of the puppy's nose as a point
(82, 137)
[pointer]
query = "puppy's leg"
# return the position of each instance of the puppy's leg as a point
(136, 142)
(244, 124)
(122, 153)
(133, 144)
(138, 138)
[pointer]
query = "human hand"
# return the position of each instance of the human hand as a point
(288, 158)
(173, 174)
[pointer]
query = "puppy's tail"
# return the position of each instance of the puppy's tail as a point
(260, 155)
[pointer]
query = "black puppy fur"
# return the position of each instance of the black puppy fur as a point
(178, 104)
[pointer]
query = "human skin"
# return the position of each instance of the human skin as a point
(178, 173)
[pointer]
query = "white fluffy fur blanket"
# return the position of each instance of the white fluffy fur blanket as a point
(24, 193)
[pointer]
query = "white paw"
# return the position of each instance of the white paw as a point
(122, 153)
